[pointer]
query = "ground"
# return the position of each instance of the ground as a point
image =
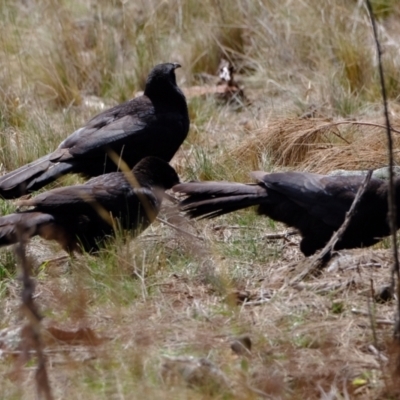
(204, 309)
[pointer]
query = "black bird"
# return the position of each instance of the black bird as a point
(154, 124)
(83, 216)
(314, 204)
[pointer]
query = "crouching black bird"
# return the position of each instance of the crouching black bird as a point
(154, 124)
(314, 204)
(82, 216)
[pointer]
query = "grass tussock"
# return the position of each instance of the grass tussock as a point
(318, 145)
(286, 142)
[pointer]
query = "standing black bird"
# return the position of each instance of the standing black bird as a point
(82, 216)
(314, 204)
(154, 124)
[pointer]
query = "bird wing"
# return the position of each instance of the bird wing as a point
(72, 196)
(86, 140)
(26, 223)
(76, 198)
(27, 220)
(327, 198)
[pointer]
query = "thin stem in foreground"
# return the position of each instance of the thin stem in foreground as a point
(392, 194)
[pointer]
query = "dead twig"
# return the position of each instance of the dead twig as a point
(279, 235)
(372, 321)
(31, 331)
(381, 357)
(392, 193)
(318, 261)
(268, 236)
(324, 287)
(332, 124)
(179, 229)
(219, 227)
(378, 321)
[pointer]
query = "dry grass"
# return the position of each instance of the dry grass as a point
(318, 145)
(156, 317)
(306, 340)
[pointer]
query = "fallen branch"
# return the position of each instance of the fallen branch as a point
(319, 260)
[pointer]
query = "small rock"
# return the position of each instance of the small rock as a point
(241, 345)
(196, 372)
(384, 294)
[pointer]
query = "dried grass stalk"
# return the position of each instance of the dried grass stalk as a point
(319, 145)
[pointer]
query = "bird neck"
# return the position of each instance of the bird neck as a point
(166, 96)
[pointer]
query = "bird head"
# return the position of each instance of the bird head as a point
(163, 72)
(152, 171)
(160, 77)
